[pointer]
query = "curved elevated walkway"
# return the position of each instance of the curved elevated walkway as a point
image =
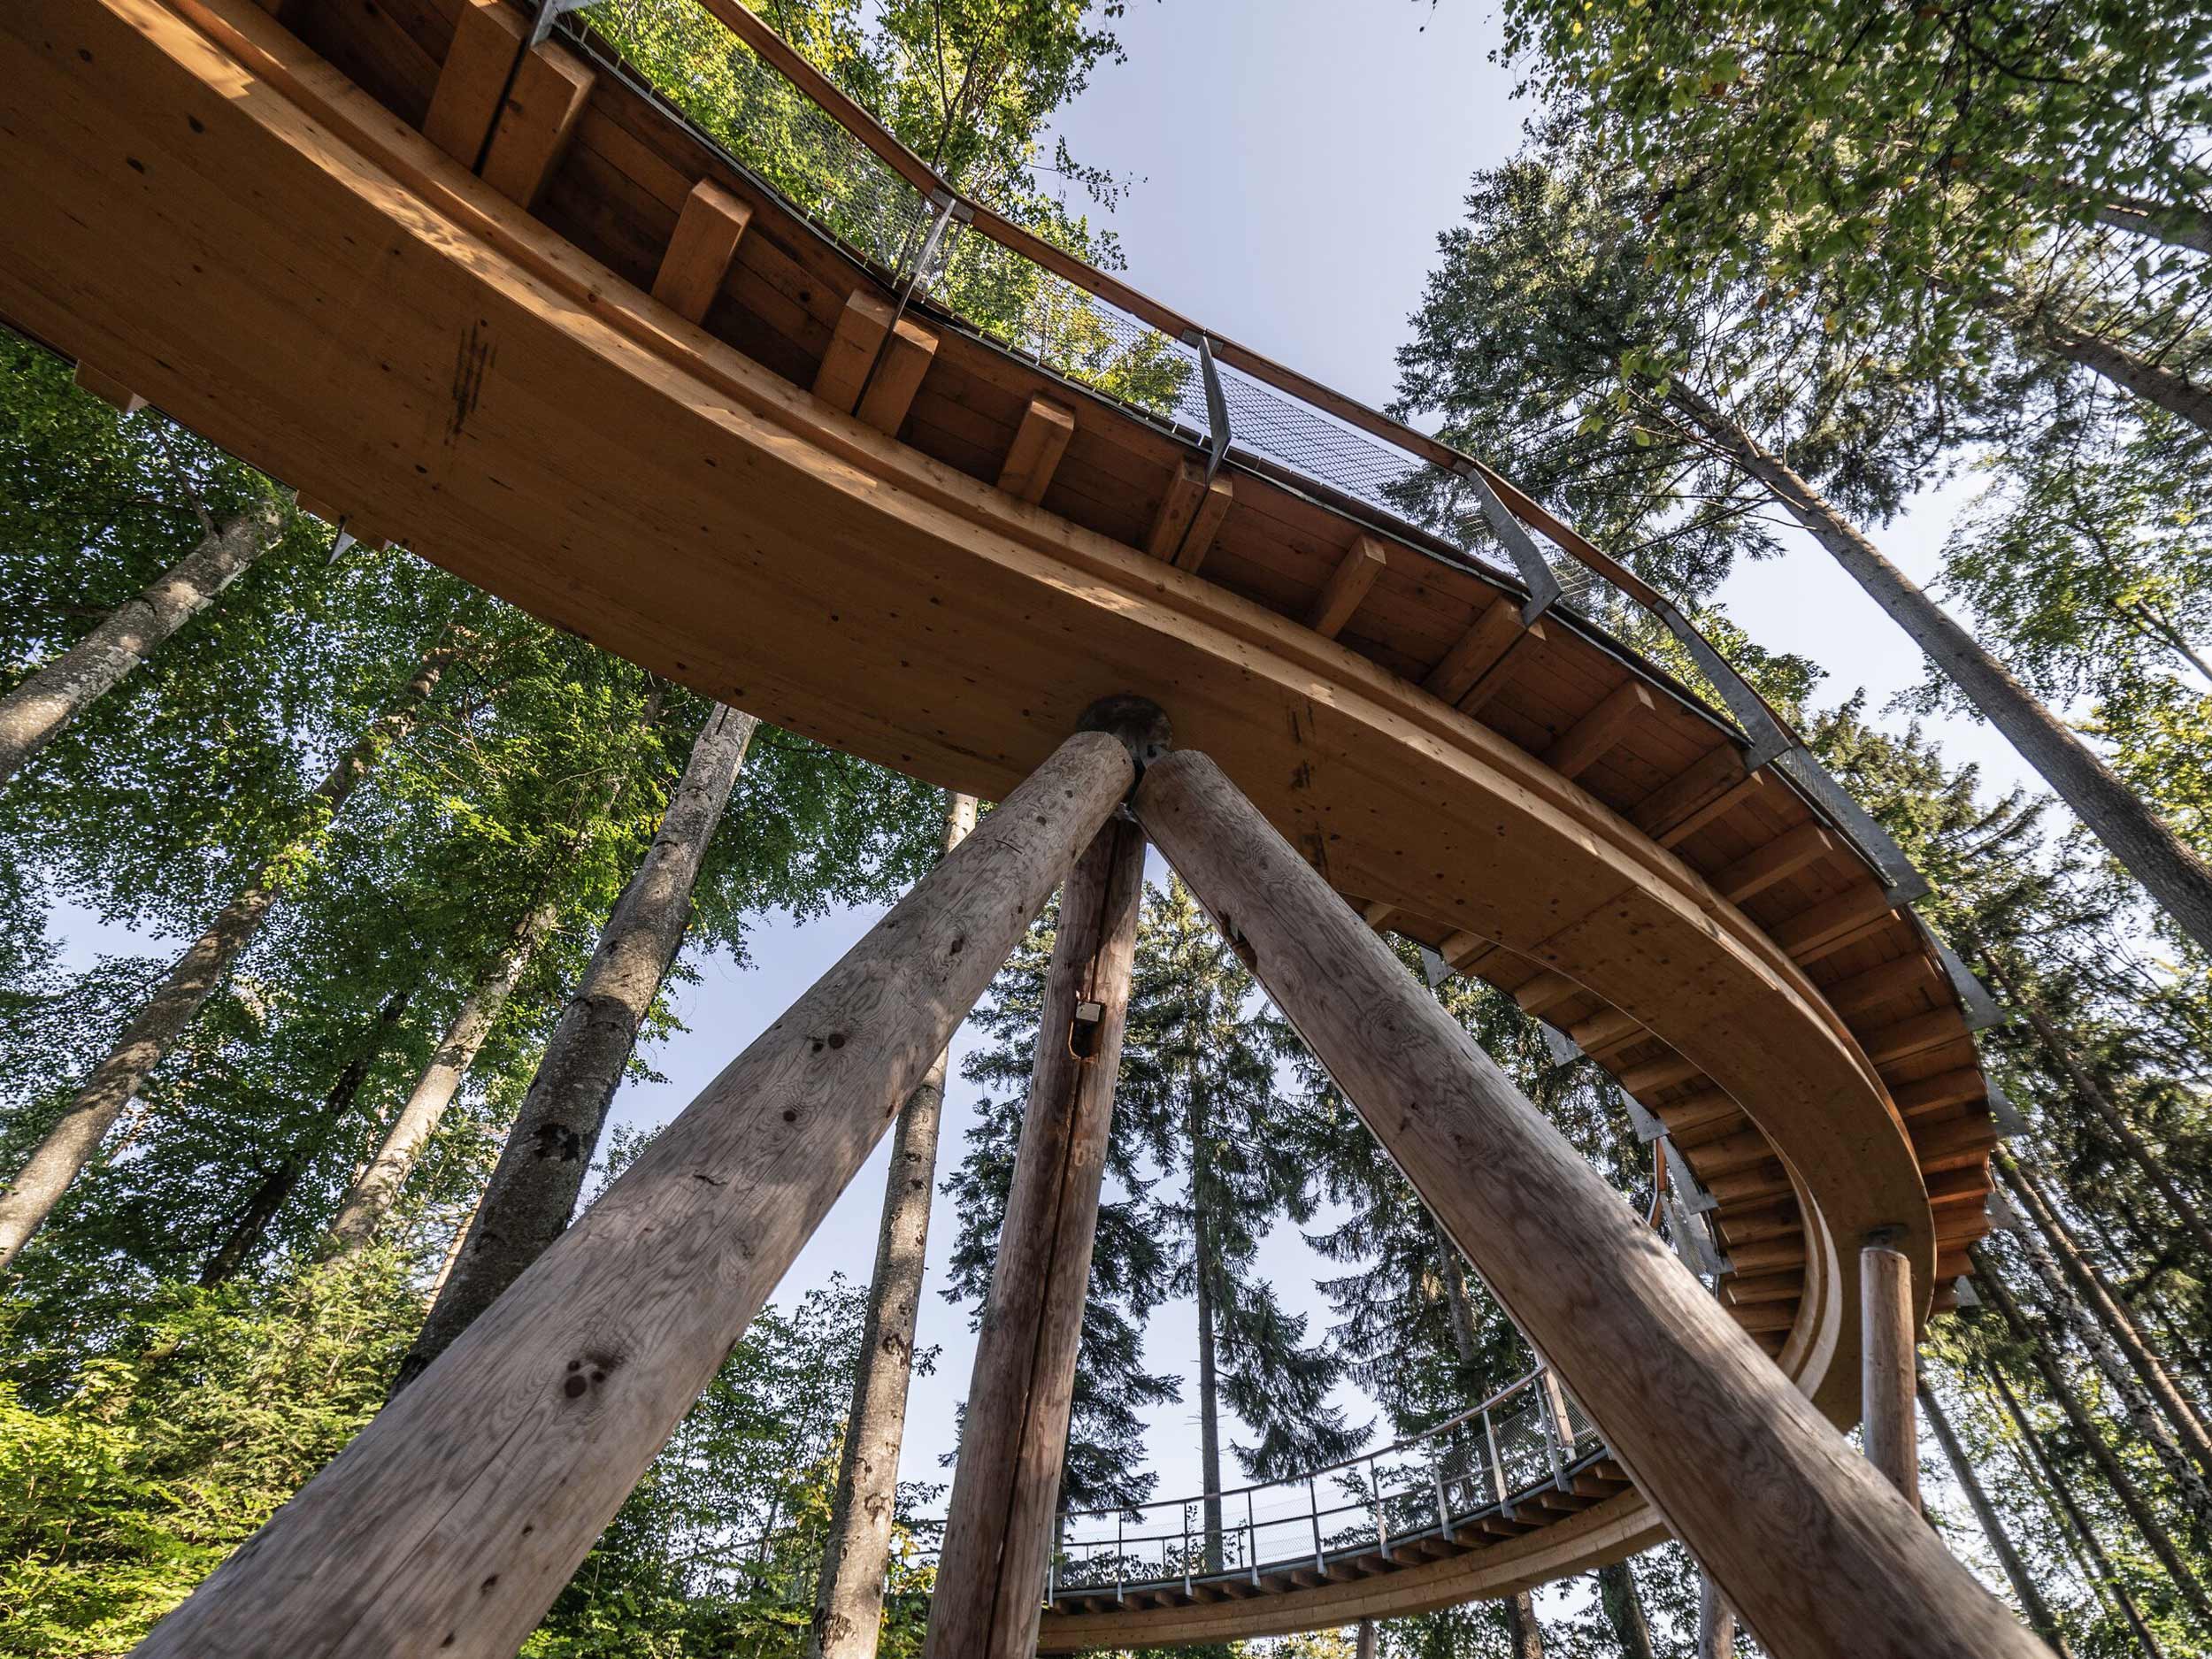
(941, 559)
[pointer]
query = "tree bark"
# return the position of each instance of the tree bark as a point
(2153, 1533)
(1005, 1492)
(41, 707)
(1887, 1368)
(453, 1520)
(1604, 1301)
(1715, 1620)
(848, 1595)
(2162, 221)
(376, 1189)
(61, 1156)
(2054, 1044)
(2089, 1283)
(2037, 1610)
(2107, 1583)
(1363, 1641)
(269, 1197)
(2155, 383)
(534, 1187)
(1524, 1631)
(1624, 1611)
(2176, 879)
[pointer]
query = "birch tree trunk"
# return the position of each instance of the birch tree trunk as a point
(268, 1198)
(60, 1158)
(41, 708)
(2152, 381)
(2123, 1485)
(2176, 879)
(2085, 1084)
(1624, 1611)
(533, 1188)
(848, 1596)
(376, 1189)
(2119, 1325)
(2038, 1611)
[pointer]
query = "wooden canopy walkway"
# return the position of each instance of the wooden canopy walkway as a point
(504, 302)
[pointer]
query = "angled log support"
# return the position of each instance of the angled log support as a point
(697, 258)
(451, 1522)
(1632, 1332)
(998, 1529)
(551, 87)
(1888, 1365)
(1190, 515)
(1034, 455)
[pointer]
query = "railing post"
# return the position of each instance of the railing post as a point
(1551, 1412)
(453, 1518)
(1313, 1511)
(1443, 1522)
(1251, 1538)
(1497, 1464)
(1382, 1520)
(1005, 1489)
(1118, 1517)
(1757, 1463)
(1186, 1549)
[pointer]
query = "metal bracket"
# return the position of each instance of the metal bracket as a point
(2002, 1215)
(2010, 1125)
(1900, 882)
(1434, 968)
(1962, 1289)
(1647, 1126)
(1537, 574)
(1981, 1008)
(1769, 740)
(1217, 402)
(1692, 1197)
(1558, 1044)
(549, 13)
(1694, 1241)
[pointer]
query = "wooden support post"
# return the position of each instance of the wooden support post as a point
(999, 1527)
(451, 1522)
(109, 390)
(1585, 743)
(1887, 1365)
(1364, 560)
(906, 358)
(550, 89)
(844, 369)
(488, 38)
(1039, 443)
(1751, 1468)
(697, 258)
(1190, 515)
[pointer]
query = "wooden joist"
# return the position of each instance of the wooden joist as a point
(1783, 856)
(1472, 656)
(1912, 1036)
(109, 390)
(1190, 515)
(1766, 1256)
(1585, 742)
(1666, 1071)
(697, 259)
(1951, 1143)
(1741, 1290)
(1829, 925)
(1761, 1181)
(1546, 991)
(488, 38)
(1364, 560)
(1697, 1111)
(536, 122)
(1500, 674)
(1899, 977)
(1709, 786)
(1607, 1028)
(1729, 1154)
(906, 358)
(1929, 1095)
(845, 366)
(1039, 443)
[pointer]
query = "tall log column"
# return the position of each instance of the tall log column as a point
(451, 1522)
(998, 1529)
(1820, 1553)
(1888, 1366)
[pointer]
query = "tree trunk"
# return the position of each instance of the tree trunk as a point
(2040, 1616)
(1523, 1631)
(2189, 1483)
(1208, 1386)
(1455, 1298)
(70, 1143)
(849, 1597)
(41, 707)
(533, 1188)
(268, 1199)
(2162, 221)
(2153, 1532)
(2106, 1581)
(1624, 1611)
(2155, 383)
(2176, 879)
(1715, 1620)
(2054, 1044)
(376, 1189)
(2089, 1283)
(1364, 1642)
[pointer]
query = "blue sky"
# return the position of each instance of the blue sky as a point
(1291, 163)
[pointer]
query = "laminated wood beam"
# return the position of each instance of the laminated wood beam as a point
(1034, 455)
(1783, 856)
(906, 358)
(698, 255)
(1487, 638)
(1364, 560)
(550, 88)
(1606, 1302)
(109, 390)
(451, 1521)
(1190, 516)
(1587, 740)
(844, 371)
(1899, 977)
(488, 39)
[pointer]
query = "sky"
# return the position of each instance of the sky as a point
(1291, 163)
